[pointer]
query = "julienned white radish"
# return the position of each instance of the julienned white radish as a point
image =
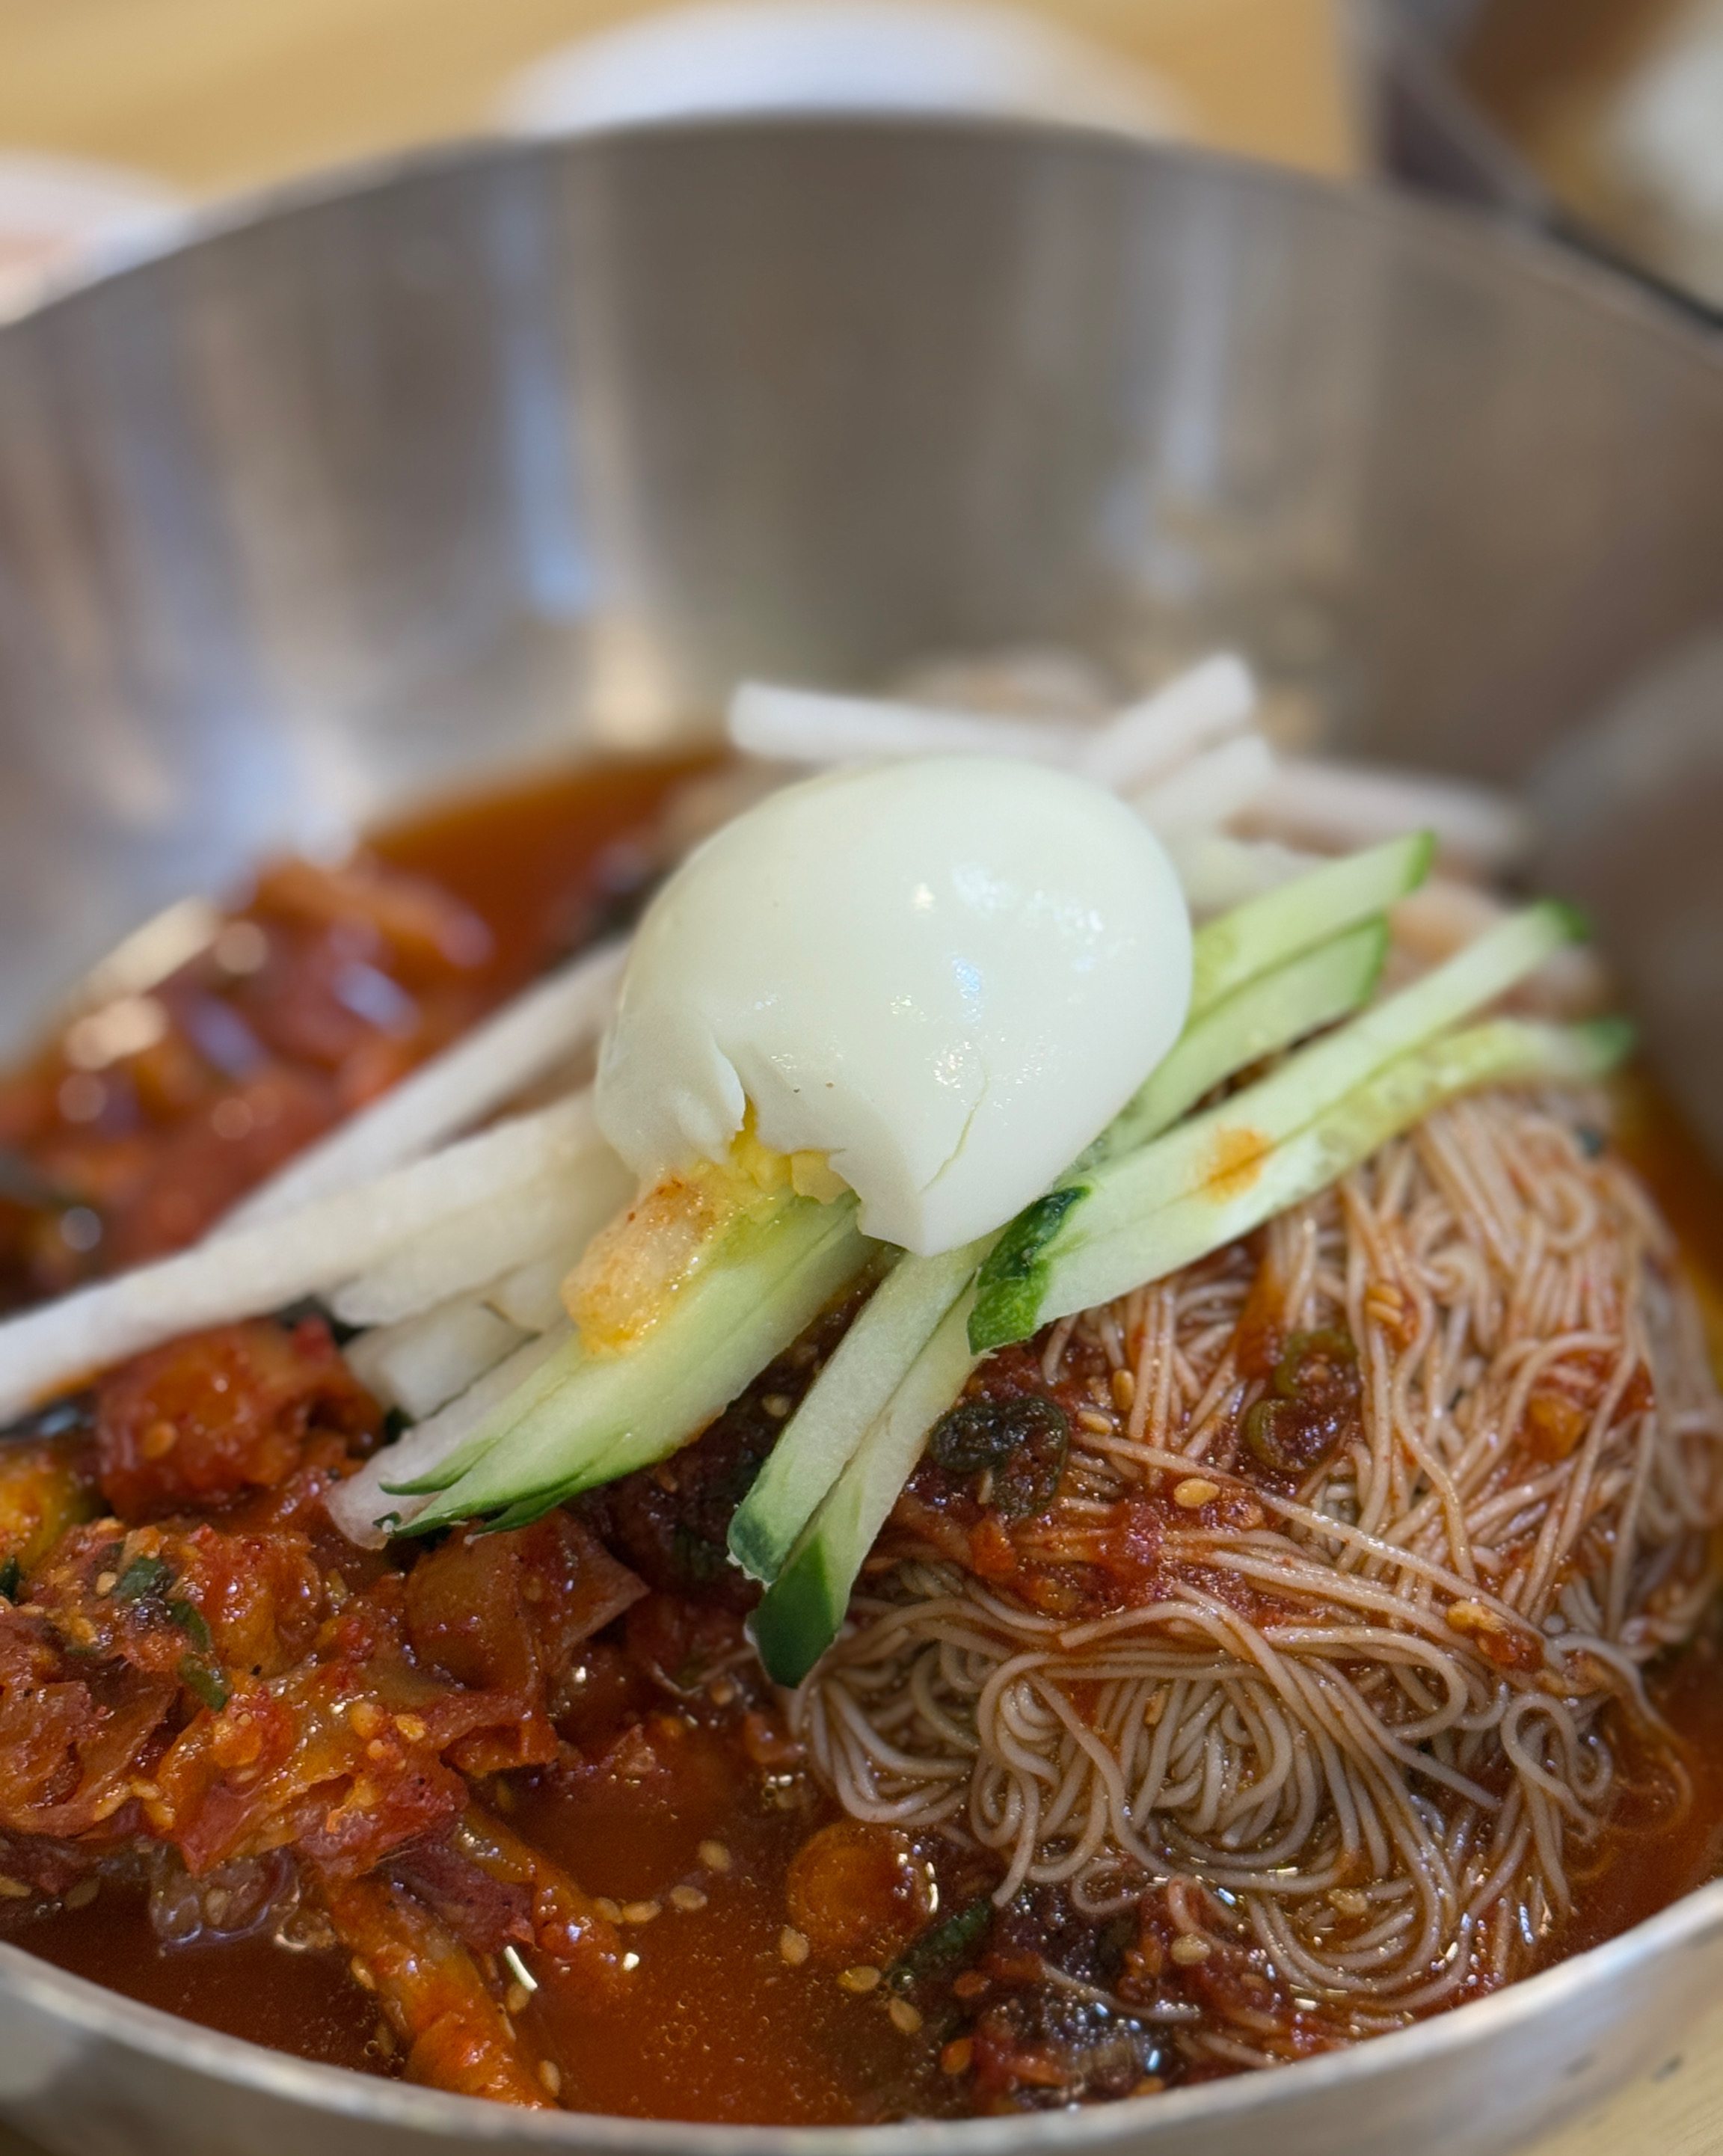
(808, 725)
(1335, 806)
(262, 1268)
(1218, 872)
(358, 1504)
(470, 1250)
(424, 1362)
(521, 1044)
(531, 1296)
(1211, 789)
(1140, 744)
(1148, 739)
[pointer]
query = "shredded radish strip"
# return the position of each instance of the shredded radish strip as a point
(1197, 709)
(1211, 789)
(1340, 808)
(422, 1363)
(807, 726)
(357, 1505)
(257, 1270)
(473, 1248)
(489, 1067)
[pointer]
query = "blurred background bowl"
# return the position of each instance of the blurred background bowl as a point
(519, 452)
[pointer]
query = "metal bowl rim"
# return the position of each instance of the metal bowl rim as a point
(87, 2005)
(1514, 246)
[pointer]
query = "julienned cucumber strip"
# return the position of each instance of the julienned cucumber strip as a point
(1201, 1219)
(801, 1613)
(1265, 932)
(1267, 1014)
(1011, 1300)
(856, 1385)
(550, 1376)
(615, 1414)
(552, 1388)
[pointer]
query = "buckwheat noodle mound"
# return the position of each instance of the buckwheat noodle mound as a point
(1414, 1485)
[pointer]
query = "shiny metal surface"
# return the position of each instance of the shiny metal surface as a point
(524, 448)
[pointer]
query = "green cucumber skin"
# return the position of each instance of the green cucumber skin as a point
(1265, 932)
(856, 1385)
(1278, 1105)
(505, 1418)
(1014, 1278)
(1267, 1014)
(616, 1413)
(1272, 1012)
(799, 1615)
(1501, 1051)
(798, 1618)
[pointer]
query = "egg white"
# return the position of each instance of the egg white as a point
(946, 974)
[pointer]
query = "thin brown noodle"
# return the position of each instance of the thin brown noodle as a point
(1311, 1720)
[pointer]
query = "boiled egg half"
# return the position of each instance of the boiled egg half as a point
(933, 981)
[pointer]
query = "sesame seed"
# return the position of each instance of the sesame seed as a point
(106, 1582)
(81, 1893)
(955, 2057)
(1187, 1950)
(631, 1961)
(778, 1405)
(1125, 1390)
(1097, 1425)
(158, 1440)
(714, 1856)
(970, 1985)
(1194, 1490)
(904, 2016)
(688, 1897)
(361, 1975)
(612, 1912)
(551, 2075)
(864, 1977)
(641, 1912)
(516, 1998)
(793, 1945)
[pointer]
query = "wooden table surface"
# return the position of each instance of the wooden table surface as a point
(218, 93)
(213, 94)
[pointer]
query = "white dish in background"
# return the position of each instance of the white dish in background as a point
(840, 56)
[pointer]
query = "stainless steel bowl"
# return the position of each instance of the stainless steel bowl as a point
(521, 450)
